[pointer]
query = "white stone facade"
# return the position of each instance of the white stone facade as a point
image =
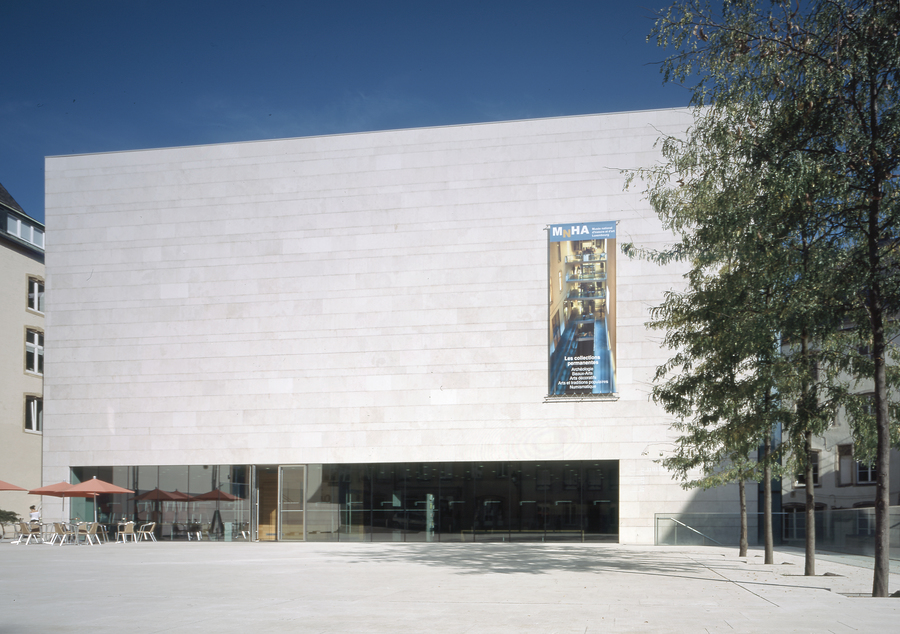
(370, 297)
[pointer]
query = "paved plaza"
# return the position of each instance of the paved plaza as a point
(456, 588)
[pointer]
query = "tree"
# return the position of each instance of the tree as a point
(796, 142)
(721, 381)
(7, 517)
(757, 259)
(732, 372)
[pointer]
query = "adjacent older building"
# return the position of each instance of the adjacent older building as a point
(425, 334)
(844, 490)
(21, 351)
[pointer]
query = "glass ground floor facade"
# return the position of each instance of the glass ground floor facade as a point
(422, 501)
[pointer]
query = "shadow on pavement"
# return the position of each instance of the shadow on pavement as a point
(500, 558)
(544, 559)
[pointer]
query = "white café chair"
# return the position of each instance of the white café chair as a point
(125, 531)
(63, 534)
(29, 531)
(145, 532)
(92, 533)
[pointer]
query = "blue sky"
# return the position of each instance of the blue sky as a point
(100, 76)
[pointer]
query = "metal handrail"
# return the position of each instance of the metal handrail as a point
(690, 528)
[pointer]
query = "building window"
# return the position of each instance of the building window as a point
(34, 413)
(34, 351)
(24, 231)
(36, 294)
(794, 523)
(865, 474)
(845, 465)
(801, 477)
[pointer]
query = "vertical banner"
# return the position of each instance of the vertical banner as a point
(582, 318)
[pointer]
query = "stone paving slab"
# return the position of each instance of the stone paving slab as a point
(453, 588)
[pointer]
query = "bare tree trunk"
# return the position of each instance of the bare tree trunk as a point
(743, 495)
(768, 537)
(804, 409)
(810, 569)
(882, 459)
(876, 308)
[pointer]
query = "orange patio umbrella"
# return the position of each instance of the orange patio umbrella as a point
(57, 490)
(93, 488)
(6, 486)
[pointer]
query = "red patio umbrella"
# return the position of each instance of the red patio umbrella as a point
(6, 486)
(217, 495)
(167, 496)
(159, 495)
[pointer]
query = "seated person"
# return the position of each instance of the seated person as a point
(35, 522)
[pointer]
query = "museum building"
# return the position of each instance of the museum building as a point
(410, 335)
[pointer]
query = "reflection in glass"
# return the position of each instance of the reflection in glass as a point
(291, 503)
(177, 514)
(457, 501)
(386, 505)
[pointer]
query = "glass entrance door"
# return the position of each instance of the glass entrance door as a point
(266, 501)
(292, 501)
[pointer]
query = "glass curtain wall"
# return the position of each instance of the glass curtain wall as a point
(402, 502)
(184, 502)
(463, 501)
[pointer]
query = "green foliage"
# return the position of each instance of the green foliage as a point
(8, 517)
(718, 383)
(783, 196)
